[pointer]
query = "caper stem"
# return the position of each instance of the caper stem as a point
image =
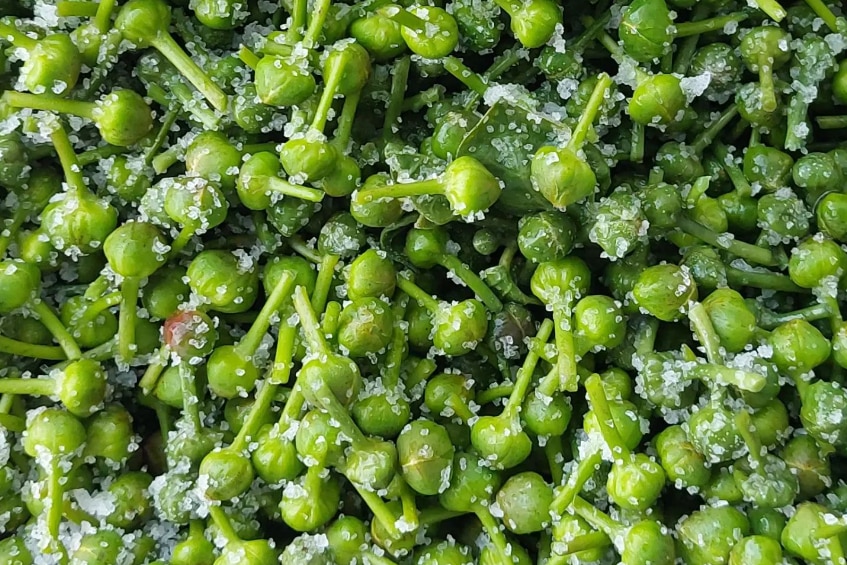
(473, 280)
(55, 326)
(318, 14)
(309, 322)
(49, 103)
(596, 395)
(687, 29)
(465, 74)
(592, 108)
(248, 344)
(168, 47)
(127, 317)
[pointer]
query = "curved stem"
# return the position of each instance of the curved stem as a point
(181, 240)
(23, 349)
(492, 528)
(705, 332)
(754, 446)
(103, 17)
(248, 344)
(472, 80)
(127, 318)
(97, 307)
(473, 280)
(746, 251)
(154, 370)
(417, 293)
(585, 469)
(55, 326)
(221, 520)
(168, 47)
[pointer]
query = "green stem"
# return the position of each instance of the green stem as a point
(394, 108)
(493, 393)
(345, 121)
(399, 190)
(390, 369)
(380, 510)
(715, 374)
(91, 156)
(717, 23)
(248, 57)
(473, 280)
(300, 247)
(261, 406)
(190, 400)
(182, 239)
(597, 518)
(424, 98)
(76, 8)
(746, 251)
(554, 453)
(248, 344)
(768, 319)
(68, 160)
(103, 17)
(330, 318)
(29, 387)
(12, 423)
(745, 427)
(421, 371)
(154, 370)
(55, 326)
(592, 108)
(16, 37)
(94, 309)
(405, 18)
(831, 122)
(299, 13)
(283, 358)
(23, 349)
(565, 347)
(309, 322)
(417, 293)
(161, 136)
(797, 111)
(282, 186)
(733, 171)
(318, 13)
(11, 228)
(168, 47)
(323, 283)
(166, 159)
(127, 317)
(527, 370)
(49, 103)
(492, 528)
(56, 495)
(766, 82)
(596, 395)
(764, 280)
(585, 469)
(705, 332)
(472, 80)
(772, 8)
(705, 138)
(824, 13)
(637, 142)
(221, 520)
